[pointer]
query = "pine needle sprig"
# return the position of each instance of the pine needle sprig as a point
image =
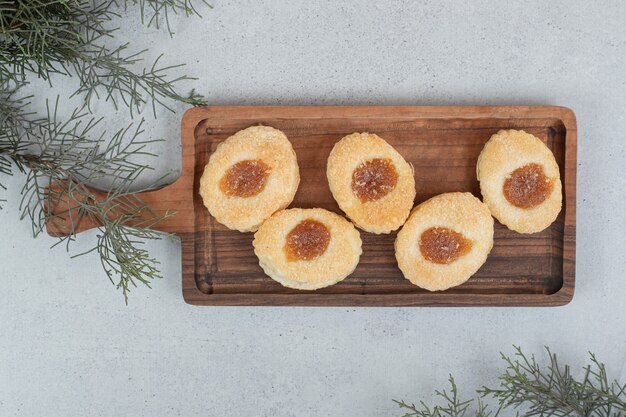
(61, 159)
(532, 389)
(46, 37)
(453, 406)
(152, 11)
(126, 225)
(106, 74)
(39, 36)
(13, 119)
(554, 391)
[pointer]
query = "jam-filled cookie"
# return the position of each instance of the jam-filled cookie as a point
(250, 176)
(371, 182)
(307, 249)
(444, 241)
(520, 181)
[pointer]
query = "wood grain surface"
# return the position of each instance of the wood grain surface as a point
(443, 143)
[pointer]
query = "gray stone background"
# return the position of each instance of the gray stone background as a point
(70, 347)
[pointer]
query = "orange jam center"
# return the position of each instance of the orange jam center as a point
(245, 178)
(527, 186)
(308, 240)
(374, 179)
(442, 245)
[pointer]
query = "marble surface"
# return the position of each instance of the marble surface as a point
(70, 347)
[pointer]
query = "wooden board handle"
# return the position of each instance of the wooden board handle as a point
(169, 199)
(176, 197)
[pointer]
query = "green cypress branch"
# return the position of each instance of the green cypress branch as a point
(153, 10)
(39, 38)
(46, 37)
(58, 152)
(532, 389)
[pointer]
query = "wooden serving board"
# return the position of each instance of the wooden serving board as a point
(219, 266)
